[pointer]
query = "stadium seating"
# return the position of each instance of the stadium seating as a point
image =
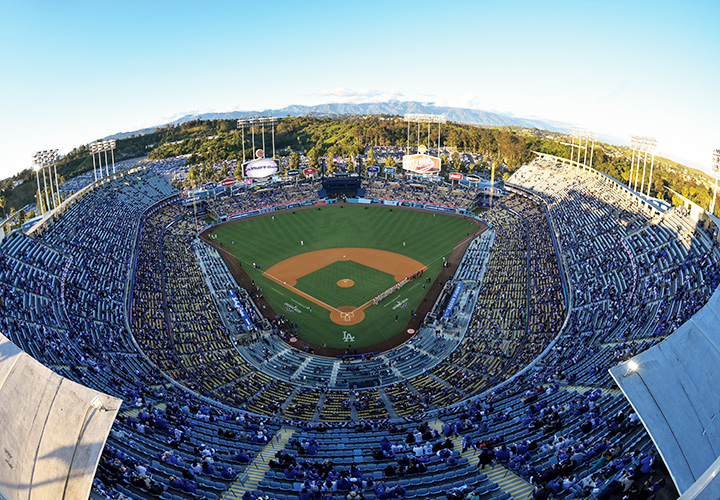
(118, 294)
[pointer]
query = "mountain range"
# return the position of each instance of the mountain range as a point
(460, 115)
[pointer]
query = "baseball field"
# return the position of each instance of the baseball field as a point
(323, 267)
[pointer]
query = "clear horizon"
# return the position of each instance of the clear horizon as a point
(79, 70)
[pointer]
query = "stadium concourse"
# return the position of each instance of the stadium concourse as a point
(508, 398)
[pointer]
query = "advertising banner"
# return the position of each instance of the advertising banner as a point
(373, 169)
(421, 164)
(227, 182)
(389, 170)
(453, 300)
(240, 309)
(309, 171)
(441, 208)
(293, 172)
(258, 169)
(456, 176)
(210, 185)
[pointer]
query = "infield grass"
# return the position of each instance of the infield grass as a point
(323, 283)
(264, 241)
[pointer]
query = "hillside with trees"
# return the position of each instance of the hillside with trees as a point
(208, 142)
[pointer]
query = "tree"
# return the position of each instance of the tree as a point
(370, 159)
(314, 155)
(443, 162)
(457, 163)
(193, 175)
(2, 204)
(330, 165)
(226, 126)
(294, 160)
(389, 162)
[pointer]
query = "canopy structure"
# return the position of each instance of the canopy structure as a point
(53, 430)
(673, 388)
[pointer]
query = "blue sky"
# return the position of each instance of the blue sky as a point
(75, 71)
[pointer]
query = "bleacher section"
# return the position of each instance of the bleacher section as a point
(118, 294)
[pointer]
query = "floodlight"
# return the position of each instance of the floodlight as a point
(631, 366)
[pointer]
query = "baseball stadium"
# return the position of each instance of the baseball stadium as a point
(294, 335)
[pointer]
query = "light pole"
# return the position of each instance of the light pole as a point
(112, 143)
(47, 200)
(91, 147)
(38, 194)
(633, 146)
(241, 125)
(716, 168)
(590, 137)
(105, 150)
(650, 148)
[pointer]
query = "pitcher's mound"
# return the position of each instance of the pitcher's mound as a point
(345, 283)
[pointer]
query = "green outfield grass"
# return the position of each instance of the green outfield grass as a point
(267, 240)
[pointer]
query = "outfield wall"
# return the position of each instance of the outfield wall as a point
(432, 207)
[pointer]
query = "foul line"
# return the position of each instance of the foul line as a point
(320, 302)
(301, 293)
(369, 302)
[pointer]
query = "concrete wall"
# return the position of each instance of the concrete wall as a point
(51, 436)
(675, 392)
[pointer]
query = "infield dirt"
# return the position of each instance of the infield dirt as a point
(287, 272)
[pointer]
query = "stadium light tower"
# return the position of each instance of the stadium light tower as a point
(642, 146)
(96, 149)
(716, 169)
(589, 137)
(584, 137)
(103, 147)
(262, 121)
(43, 159)
(424, 118)
(650, 145)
